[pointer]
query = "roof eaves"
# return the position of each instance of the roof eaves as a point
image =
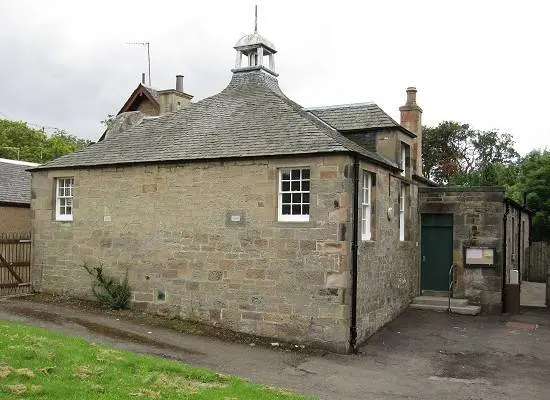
(140, 89)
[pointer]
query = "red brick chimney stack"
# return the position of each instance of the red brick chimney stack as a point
(411, 118)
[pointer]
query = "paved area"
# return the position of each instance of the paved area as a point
(420, 355)
(533, 294)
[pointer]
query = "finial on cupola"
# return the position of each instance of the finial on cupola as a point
(255, 48)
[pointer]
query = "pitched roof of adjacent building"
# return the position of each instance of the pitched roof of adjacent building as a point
(251, 117)
(16, 181)
(349, 117)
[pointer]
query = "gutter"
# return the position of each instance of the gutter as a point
(354, 249)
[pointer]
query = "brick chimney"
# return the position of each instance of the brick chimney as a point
(411, 118)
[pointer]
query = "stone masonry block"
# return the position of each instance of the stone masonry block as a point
(252, 315)
(149, 188)
(328, 174)
(255, 273)
(337, 280)
(215, 275)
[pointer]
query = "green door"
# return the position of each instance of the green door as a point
(437, 251)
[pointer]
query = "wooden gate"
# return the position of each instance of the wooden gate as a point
(15, 263)
(538, 262)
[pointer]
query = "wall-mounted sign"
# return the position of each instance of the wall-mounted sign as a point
(479, 257)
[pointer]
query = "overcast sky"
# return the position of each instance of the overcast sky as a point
(66, 64)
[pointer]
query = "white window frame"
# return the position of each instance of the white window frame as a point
(294, 217)
(366, 204)
(403, 159)
(63, 198)
(402, 200)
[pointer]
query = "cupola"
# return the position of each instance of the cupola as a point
(254, 52)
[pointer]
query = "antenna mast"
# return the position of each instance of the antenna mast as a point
(256, 18)
(145, 44)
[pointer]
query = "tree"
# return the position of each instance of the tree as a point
(456, 154)
(18, 141)
(109, 119)
(534, 181)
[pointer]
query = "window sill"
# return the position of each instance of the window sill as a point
(63, 220)
(295, 224)
(298, 220)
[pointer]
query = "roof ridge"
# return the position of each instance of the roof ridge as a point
(18, 162)
(348, 105)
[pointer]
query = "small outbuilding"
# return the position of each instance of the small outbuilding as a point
(15, 196)
(474, 243)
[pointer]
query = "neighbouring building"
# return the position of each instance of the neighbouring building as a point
(15, 196)
(146, 101)
(154, 102)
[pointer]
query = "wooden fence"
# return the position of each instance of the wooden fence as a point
(15, 263)
(537, 264)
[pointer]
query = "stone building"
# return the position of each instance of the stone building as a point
(154, 102)
(460, 223)
(245, 210)
(15, 196)
(146, 101)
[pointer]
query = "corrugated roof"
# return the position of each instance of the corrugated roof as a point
(251, 117)
(15, 182)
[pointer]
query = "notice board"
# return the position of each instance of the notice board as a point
(479, 257)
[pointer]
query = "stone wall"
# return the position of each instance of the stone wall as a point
(169, 227)
(15, 219)
(388, 275)
(477, 221)
(148, 108)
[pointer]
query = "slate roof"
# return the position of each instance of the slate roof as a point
(15, 186)
(251, 117)
(348, 117)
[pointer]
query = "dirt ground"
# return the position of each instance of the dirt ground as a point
(420, 355)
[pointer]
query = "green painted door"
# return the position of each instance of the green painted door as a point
(437, 251)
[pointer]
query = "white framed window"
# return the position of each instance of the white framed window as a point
(294, 194)
(64, 199)
(366, 191)
(402, 201)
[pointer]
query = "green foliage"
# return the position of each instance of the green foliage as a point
(109, 119)
(39, 364)
(110, 292)
(17, 140)
(453, 153)
(534, 181)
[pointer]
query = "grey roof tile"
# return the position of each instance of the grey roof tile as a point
(250, 117)
(15, 182)
(355, 116)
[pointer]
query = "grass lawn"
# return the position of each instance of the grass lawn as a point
(39, 364)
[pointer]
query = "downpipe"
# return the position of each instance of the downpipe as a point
(354, 249)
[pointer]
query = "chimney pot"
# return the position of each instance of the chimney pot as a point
(143, 78)
(179, 83)
(411, 96)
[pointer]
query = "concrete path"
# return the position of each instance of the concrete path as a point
(421, 355)
(533, 294)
